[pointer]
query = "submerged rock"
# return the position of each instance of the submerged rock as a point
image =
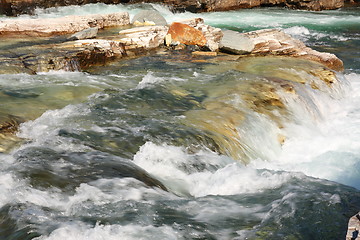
(85, 34)
(63, 25)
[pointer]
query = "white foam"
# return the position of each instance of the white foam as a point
(80, 231)
(149, 80)
(330, 149)
(221, 176)
(106, 191)
(44, 130)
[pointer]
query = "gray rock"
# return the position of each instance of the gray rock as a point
(236, 43)
(85, 34)
(149, 17)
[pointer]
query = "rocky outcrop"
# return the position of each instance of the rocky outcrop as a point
(82, 54)
(16, 7)
(277, 43)
(64, 25)
(69, 56)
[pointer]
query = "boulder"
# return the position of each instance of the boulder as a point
(195, 32)
(148, 17)
(63, 25)
(147, 37)
(85, 34)
(186, 34)
(235, 43)
(272, 42)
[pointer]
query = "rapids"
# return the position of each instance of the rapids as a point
(168, 147)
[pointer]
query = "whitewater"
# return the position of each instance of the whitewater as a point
(128, 152)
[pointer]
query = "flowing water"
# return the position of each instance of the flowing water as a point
(170, 147)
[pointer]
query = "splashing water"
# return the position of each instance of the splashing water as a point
(158, 147)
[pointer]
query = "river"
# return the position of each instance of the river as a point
(167, 147)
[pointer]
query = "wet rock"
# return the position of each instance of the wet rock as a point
(85, 34)
(9, 125)
(148, 17)
(236, 43)
(77, 168)
(274, 42)
(353, 228)
(147, 37)
(202, 53)
(69, 56)
(63, 25)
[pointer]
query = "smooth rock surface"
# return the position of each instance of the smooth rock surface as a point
(85, 34)
(275, 42)
(236, 43)
(147, 37)
(149, 17)
(186, 34)
(63, 25)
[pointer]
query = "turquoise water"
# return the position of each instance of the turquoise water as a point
(163, 147)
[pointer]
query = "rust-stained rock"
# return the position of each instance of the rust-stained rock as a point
(211, 35)
(63, 25)
(186, 34)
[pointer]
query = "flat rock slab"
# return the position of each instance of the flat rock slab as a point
(85, 34)
(149, 17)
(236, 43)
(270, 42)
(63, 25)
(147, 37)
